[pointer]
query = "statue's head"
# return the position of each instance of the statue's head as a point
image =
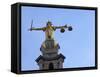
(49, 23)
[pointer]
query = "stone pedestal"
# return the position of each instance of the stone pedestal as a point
(50, 59)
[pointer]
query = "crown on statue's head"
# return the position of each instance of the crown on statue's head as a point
(49, 23)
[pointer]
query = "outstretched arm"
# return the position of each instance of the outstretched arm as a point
(59, 27)
(63, 27)
(32, 28)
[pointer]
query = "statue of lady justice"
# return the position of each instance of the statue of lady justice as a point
(49, 30)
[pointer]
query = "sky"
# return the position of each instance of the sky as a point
(78, 45)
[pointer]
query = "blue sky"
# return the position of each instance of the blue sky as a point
(78, 46)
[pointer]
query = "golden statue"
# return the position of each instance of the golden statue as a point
(49, 30)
